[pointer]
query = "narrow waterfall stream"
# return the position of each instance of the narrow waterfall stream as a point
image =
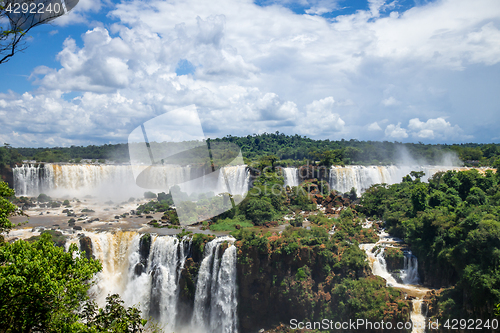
(146, 272)
(408, 275)
(417, 317)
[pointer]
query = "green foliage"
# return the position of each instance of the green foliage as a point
(7, 208)
(366, 298)
(302, 273)
(297, 221)
(289, 150)
(419, 197)
(56, 236)
(52, 156)
(229, 224)
(264, 202)
(114, 317)
(40, 284)
(149, 195)
(453, 225)
(300, 199)
(42, 197)
(9, 156)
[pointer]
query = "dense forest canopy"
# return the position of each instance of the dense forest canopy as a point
(288, 149)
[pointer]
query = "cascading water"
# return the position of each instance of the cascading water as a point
(417, 317)
(409, 274)
(146, 273)
(361, 178)
(30, 179)
(237, 178)
(215, 301)
(291, 176)
(118, 180)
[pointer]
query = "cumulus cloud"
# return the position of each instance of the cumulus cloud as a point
(395, 131)
(437, 128)
(321, 118)
(265, 69)
(432, 129)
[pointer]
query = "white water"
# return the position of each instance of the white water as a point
(291, 176)
(118, 180)
(215, 301)
(361, 178)
(409, 275)
(156, 289)
(417, 317)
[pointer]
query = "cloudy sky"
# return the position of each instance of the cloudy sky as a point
(403, 70)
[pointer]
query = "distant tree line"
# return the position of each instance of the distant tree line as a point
(280, 149)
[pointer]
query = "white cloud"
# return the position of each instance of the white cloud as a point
(390, 101)
(432, 129)
(374, 127)
(395, 131)
(266, 69)
(437, 128)
(321, 119)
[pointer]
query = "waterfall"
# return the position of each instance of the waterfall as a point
(361, 178)
(379, 267)
(30, 180)
(146, 274)
(417, 317)
(215, 301)
(237, 178)
(291, 176)
(409, 274)
(108, 180)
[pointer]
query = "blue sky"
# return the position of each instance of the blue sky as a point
(371, 70)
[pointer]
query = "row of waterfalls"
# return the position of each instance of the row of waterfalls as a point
(344, 178)
(146, 272)
(111, 180)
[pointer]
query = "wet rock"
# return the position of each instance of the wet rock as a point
(86, 246)
(77, 227)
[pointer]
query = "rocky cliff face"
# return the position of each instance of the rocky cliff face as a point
(436, 275)
(275, 287)
(7, 176)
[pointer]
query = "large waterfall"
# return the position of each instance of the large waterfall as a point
(118, 180)
(146, 273)
(361, 178)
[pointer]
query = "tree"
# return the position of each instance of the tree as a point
(20, 16)
(419, 197)
(41, 285)
(7, 208)
(417, 174)
(43, 288)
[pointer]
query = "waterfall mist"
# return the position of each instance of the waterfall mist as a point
(116, 182)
